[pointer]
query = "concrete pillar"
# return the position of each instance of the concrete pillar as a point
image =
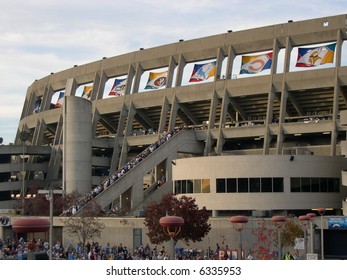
(77, 154)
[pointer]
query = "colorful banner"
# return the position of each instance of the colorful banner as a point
(60, 100)
(156, 80)
(202, 72)
(310, 57)
(118, 88)
(87, 92)
(253, 64)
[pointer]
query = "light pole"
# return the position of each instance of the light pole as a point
(304, 219)
(23, 198)
(239, 223)
(321, 212)
(278, 222)
(172, 226)
(23, 136)
(49, 196)
(312, 216)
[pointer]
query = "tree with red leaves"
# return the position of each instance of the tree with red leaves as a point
(195, 225)
(264, 236)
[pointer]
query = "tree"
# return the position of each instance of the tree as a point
(86, 226)
(264, 238)
(195, 226)
(290, 231)
(38, 205)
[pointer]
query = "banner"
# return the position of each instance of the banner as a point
(253, 64)
(310, 57)
(118, 88)
(156, 80)
(202, 72)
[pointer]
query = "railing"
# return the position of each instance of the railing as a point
(113, 178)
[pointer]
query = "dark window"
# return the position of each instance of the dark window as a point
(183, 186)
(242, 184)
(323, 184)
(254, 184)
(295, 184)
(178, 187)
(220, 186)
(278, 185)
(336, 185)
(231, 185)
(331, 186)
(305, 185)
(5, 195)
(266, 184)
(189, 186)
(314, 184)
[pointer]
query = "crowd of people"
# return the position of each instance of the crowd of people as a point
(110, 180)
(11, 248)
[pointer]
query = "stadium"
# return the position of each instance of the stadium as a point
(249, 122)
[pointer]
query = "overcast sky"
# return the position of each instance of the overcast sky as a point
(39, 37)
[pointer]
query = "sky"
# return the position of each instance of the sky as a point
(39, 37)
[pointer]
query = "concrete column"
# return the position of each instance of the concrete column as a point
(77, 157)
(337, 93)
(214, 213)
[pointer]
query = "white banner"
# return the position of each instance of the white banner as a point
(179, 270)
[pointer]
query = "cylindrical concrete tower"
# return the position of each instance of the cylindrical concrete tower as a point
(77, 154)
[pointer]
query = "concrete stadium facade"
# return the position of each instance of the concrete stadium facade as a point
(273, 143)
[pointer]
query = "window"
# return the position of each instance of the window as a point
(305, 185)
(336, 185)
(183, 186)
(266, 184)
(331, 187)
(278, 185)
(197, 186)
(220, 186)
(315, 184)
(231, 185)
(189, 186)
(205, 186)
(295, 184)
(192, 186)
(242, 184)
(178, 187)
(323, 184)
(254, 184)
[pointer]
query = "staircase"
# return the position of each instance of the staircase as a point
(183, 141)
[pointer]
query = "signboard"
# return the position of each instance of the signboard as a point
(337, 223)
(5, 220)
(299, 244)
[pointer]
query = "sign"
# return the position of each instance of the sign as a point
(299, 244)
(5, 221)
(337, 223)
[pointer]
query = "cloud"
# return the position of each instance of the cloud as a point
(39, 37)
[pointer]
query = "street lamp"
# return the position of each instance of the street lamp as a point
(321, 212)
(49, 196)
(23, 136)
(22, 198)
(312, 216)
(304, 219)
(239, 223)
(278, 222)
(172, 226)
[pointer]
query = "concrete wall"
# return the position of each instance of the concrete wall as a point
(260, 167)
